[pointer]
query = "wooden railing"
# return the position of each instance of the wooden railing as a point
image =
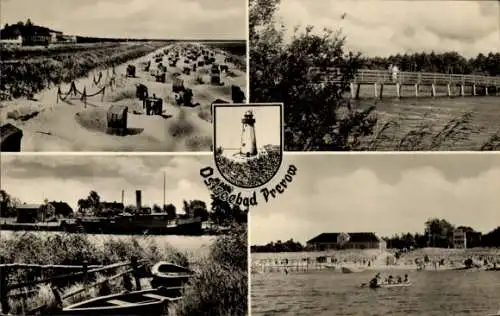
(83, 273)
(367, 76)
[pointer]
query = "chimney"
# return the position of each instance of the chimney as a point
(138, 199)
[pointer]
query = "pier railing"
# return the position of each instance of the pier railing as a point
(368, 76)
(83, 272)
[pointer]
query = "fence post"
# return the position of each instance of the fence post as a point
(85, 273)
(57, 297)
(136, 273)
(4, 288)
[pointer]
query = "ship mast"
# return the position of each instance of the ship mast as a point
(164, 180)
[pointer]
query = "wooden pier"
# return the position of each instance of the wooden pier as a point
(451, 84)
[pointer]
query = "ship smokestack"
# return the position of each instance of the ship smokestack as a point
(123, 197)
(164, 184)
(138, 200)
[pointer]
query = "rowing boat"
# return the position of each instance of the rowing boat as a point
(404, 284)
(350, 270)
(145, 302)
(169, 274)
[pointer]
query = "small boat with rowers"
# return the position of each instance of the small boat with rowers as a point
(170, 274)
(145, 302)
(389, 282)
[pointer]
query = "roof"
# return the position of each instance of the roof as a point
(8, 130)
(354, 237)
(28, 206)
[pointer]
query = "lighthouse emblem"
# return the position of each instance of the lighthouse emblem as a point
(248, 148)
(248, 141)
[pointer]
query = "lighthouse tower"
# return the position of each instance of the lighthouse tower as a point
(248, 141)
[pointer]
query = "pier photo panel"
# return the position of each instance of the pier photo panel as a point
(379, 234)
(406, 75)
(117, 234)
(118, 76)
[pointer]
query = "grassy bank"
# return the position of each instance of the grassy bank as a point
(27, 76)
(220, 284)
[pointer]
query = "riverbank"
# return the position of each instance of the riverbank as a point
(219, 264)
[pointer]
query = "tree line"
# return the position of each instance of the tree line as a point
(448, 63)
(437, 233)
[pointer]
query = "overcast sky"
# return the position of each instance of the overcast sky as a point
(384, 27)
(229, 126)
(69, 178)
(164, 19)
(385, 194)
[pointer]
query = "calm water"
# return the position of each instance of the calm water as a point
(332, 293)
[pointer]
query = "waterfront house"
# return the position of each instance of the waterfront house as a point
(466, 237)
(29, 213)
(358, 240)
(30, 34)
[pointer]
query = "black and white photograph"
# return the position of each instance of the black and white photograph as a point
(248, 142)
(381, 75)
(118, 235)
(389, 234)
(119, 76)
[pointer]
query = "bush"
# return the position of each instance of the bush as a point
(281, 72)
(251, 173)
(221, 285)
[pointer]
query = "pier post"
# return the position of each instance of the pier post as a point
(474, 89)
(449, 89)
(353, 93)
(433, 92)
(4, 288)
(398, 90)
(486, 90)
(375, 89)
(381, 90)
(358, 87)
(416, 90)
(462, 90)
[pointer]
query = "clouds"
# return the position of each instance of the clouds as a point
(69, 178)
(386, 194)
(381, 27)
(163, 19)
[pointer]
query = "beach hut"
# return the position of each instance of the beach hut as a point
(10, 138)
(177, 85)
(237, 94)
(160, 76)
(117, 119)
(186, 71)
(224, 68)
(215, 70)
(141, 92)
(154, 106)
(215, 79)
(131, 71)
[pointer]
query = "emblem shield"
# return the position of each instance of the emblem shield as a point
(248, 142)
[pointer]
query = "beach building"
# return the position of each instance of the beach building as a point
(466, 238)
(358, 240)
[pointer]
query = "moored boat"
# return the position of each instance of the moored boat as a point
(349, 270)
(145, 302)
(169, 274)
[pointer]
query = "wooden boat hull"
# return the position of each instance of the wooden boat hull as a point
(391, 285)
(146, 302)
(349, 270)
(167, 274)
